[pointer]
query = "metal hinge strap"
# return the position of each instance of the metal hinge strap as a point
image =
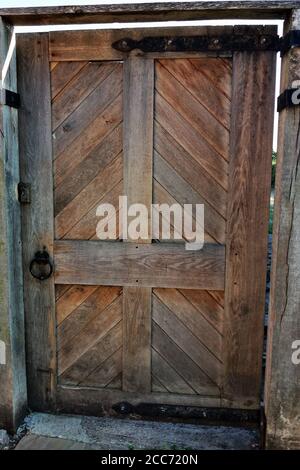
(290, 40)
(218, 43)
(10, 98)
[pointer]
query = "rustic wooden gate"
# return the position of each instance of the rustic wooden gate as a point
(144, 321)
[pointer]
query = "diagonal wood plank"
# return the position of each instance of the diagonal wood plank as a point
(86, 171)
(181, 363)
(62, 73)
(185, 339)
(106, 372)
(184, 193)
(93, 305)
(212, 88)
(204, 301)
(85, 229)
(60, 289)
(87, 198)
(94, 357)
(68, 302)
(190, 109)
(88, 140)
(96, 329)
(170, 379)
(192, 319)
(115, 383)
(191, 141)
(218, 295)
(77, 90)
(191, 170)
(157, 386)
(162, 196)
(92, 106)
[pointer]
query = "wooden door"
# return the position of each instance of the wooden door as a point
(144, 320)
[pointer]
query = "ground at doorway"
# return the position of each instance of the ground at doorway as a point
(50, 432)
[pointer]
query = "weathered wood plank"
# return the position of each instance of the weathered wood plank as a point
(186, 340)
(181, 363)
(62, 73)
(137, 339)
(37, 217)
(137, 185)
(90, 334)
(138, 132)
(282, 395)
(129, 264)
(167, 11)
(85, 313)
(87, 363)
(180, 306)
(13, 390)
(77, 90)
(74, 297)
(247, 223)
(84, 45)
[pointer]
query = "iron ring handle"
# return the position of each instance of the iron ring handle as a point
(41, 258)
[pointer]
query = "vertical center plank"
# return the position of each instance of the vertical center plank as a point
(138, 168)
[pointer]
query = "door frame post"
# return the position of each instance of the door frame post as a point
(13, 389)
(282, 391)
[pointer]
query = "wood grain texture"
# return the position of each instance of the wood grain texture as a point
(137, 176)
(130, 264)
(13, 389)
(247, 223)
(84, 45)
(166, 11)
(191, 137)
(102, 320)
(138, 132)
(37, 217)
(137, 309)
(282, 376)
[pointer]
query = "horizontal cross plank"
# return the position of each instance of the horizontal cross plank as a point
(129, 264)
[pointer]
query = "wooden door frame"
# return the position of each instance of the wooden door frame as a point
(10, 412)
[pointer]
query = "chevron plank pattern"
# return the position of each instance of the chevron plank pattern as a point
(186, 342)
(87, 146)
(191, 137)
(87, 143)
(89, 336)
(191, 154)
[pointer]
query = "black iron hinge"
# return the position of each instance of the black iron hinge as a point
(290, 40)
(24, 193)
(218, 43)
(288, 99)
(10, 98)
